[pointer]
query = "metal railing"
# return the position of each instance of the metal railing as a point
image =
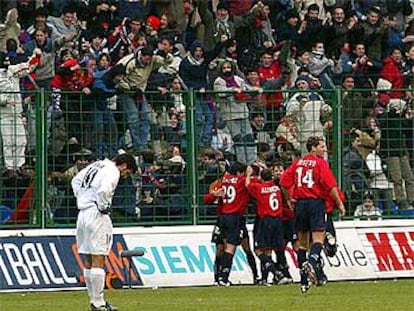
(184, 151)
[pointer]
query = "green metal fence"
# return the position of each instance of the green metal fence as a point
(191, 138)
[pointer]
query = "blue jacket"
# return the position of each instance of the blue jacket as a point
(194, 75)
(99, 87)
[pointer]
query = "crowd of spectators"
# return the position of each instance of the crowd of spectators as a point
(262, 73)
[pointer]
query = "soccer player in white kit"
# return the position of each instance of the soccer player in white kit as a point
(94, 188)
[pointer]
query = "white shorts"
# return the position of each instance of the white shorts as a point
(93, 232)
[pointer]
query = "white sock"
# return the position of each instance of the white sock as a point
(88, 282)
(98, 284)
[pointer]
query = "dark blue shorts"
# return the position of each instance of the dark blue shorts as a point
(245, 233)
(233, 228)
(269, 233)
(310, 215)
(216, 236)
(289, 230)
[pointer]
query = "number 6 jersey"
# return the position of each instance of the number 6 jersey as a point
(310, 178)
(268, 198)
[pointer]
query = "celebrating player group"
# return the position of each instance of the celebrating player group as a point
(292, 206)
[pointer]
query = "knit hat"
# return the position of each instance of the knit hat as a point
(147, 51)
(375, 9)
(292, 14)
(383, 85)
(83, 153)
(222, 6)
(154, 21)
(303, 78)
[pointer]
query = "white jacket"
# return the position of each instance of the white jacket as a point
(10, 97)
(378, 179)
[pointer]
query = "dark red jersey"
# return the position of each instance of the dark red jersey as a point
(272, 72)
(236, 196)
(309, 177)
(287, 213)
(268, 198)
(209, 198)
(330, 202)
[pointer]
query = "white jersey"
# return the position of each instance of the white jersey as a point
(94, 186)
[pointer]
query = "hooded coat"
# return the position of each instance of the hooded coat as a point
(192, 72)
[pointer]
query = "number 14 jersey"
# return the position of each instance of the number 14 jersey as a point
(309, 178)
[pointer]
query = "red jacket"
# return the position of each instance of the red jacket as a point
(70, 80)
(392, 72)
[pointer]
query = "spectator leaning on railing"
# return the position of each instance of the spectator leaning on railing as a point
(233, 107)
(139, 66)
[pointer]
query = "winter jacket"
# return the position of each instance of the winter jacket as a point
(232, 106)
(10, 98)
(392, 71)
(194, 73)
(71, 80)
(308, 109)
(355, 169)
(137, 74)
(46, 68)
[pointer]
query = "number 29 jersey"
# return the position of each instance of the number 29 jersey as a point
(308, 178)
(236, 196)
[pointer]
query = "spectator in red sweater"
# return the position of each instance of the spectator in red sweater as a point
(392, 71)
(75, 76)
(271, 73)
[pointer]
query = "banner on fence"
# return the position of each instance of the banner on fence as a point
(184, 256)
(52, 262)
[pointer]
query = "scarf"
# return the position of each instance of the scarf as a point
(194, 61)
(223, 26)
(231, 82)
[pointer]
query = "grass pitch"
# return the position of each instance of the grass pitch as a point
(336, 296)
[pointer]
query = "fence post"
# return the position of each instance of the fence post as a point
(338, 135)
(41, 156)
(192, 153)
